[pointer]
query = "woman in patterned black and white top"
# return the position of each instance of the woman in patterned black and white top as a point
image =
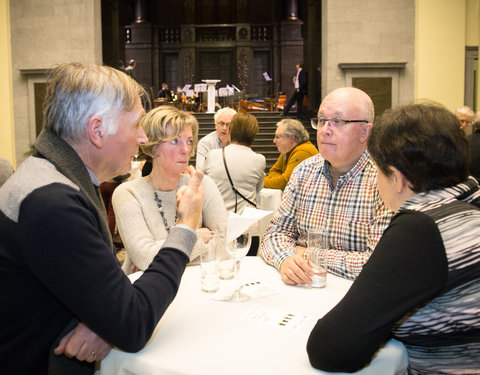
(422, 282)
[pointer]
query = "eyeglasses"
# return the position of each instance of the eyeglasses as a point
(279, 136)
(221, 123)
(336, 123)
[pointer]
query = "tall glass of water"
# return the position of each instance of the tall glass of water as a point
(238, 248)
(317, 255)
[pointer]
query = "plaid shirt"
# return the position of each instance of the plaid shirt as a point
(352, 212)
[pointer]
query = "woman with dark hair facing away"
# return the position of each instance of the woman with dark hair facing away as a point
(421, 285)
(239, 187)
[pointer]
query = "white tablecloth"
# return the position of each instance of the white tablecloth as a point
(199, 335)
(268, 200)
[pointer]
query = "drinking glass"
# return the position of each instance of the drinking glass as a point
(211, 244)
(238, 248)
(316, 254)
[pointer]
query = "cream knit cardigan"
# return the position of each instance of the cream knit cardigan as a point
(140, 223)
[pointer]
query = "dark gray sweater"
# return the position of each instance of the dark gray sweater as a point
(57, 265)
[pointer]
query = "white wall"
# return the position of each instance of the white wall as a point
(45, 33)
(368, 31)
(440, 51)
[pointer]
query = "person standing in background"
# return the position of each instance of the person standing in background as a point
(300, 82)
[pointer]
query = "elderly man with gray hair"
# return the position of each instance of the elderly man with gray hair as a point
(216, 139)
(291, 139)
(66, 291)
(466, 116)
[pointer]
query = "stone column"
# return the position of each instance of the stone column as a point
(141, 11)
(291, 10)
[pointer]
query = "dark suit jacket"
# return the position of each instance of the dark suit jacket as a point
(302, 81)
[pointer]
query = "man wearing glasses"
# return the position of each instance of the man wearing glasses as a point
(216, 139)
(335, 190)
(466, 116)
(291, 139)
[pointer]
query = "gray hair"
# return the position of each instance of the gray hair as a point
(465, 111)
(224, 111)
(76, 92)
(295, 128)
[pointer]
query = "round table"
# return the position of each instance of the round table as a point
(265, 335)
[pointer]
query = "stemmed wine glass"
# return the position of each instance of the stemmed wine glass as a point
(238, 248)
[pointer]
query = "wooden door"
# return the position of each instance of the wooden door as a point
(217, 65)
(260, 65)
(171, 74)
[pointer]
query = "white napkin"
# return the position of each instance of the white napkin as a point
(238, 224)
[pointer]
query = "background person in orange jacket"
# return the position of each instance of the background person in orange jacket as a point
(291, 139)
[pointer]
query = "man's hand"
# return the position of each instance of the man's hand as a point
(83, 344)
(190, 200)
(295, 270)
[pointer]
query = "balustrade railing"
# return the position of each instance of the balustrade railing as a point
(208, 33)
(215, 33)
(261, 33)
(169, 34)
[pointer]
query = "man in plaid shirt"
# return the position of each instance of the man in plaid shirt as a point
(335, 190)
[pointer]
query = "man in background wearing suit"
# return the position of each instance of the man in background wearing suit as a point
(300, 81)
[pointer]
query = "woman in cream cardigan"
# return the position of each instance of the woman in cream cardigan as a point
(145, 208)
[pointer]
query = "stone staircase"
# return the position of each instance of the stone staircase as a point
(263, 143)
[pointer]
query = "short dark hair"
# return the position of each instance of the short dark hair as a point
(243, 128)
(424, 142)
